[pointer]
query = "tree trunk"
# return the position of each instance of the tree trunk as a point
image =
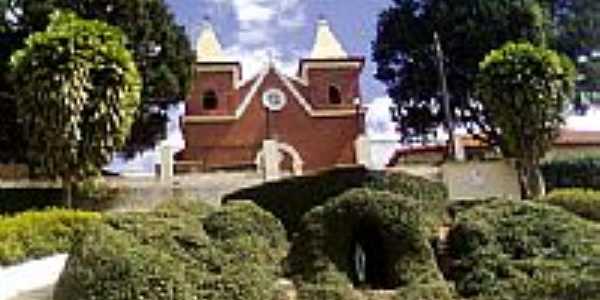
(68, 193)
(532, 181)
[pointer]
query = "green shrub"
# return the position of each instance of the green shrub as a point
(578, 172)
(291, 198)
(521, 250)
(389, 226)
(435, 291)
(37, 234)
(94, 194)
(584, 203)
(329, 292)
(186, 206)
(237, 220)
(166, 254)
(110, 264)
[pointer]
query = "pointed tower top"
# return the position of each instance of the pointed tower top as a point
(208, 47)
(326, 44)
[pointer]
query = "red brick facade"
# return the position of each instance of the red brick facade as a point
(320, 128)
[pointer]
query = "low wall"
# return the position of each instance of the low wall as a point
(13, 171)
(481, 180)
(126, 194)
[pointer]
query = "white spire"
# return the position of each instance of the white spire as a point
(208, 47)
(326, 44)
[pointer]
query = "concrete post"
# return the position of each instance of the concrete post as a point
(459, 149)
(381, 152)
(166, 163)
(363, 151)
(272, 160)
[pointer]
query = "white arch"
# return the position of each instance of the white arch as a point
(297, 162)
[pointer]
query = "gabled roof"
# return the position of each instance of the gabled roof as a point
(575, 137)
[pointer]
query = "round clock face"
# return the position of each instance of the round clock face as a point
(274, 99)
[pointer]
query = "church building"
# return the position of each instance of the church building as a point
(313, 118)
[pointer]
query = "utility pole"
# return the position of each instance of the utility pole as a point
(445, 95)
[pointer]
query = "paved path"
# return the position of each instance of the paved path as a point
(44, 293)
(32, 280)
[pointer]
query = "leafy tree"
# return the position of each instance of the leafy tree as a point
(468, 30)
(78, 92)
(526, 88)
(577, 25)
(149, 27)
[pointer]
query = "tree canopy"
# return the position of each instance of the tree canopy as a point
(78, 91)
(159, 46)
(468, 30)
(526, 89)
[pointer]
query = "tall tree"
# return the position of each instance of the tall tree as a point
(468, 30)
(577, 25)
(78, 92)
(526, 89)
(160, 47)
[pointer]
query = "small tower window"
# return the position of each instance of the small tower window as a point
(335, 96)
(210, 101)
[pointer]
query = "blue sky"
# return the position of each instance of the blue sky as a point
(251, 29)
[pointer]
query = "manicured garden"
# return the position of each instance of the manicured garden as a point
(495, 249)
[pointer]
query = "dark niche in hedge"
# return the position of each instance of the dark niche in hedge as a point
(367, 256)
(377, 240)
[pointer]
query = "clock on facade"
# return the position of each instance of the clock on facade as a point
(274, 99)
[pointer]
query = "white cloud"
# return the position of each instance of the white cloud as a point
(261, 23)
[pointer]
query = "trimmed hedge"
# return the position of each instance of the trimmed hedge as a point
(14, 201)
(291, 198)
(36, 234)
(328, 234)
(521, 250)
(581, 172)
(237, 220)
(91, 194)
(584, 203)
(167, 254)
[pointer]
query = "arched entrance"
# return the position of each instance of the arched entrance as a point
(283, 150)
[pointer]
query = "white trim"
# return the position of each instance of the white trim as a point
(239, 112)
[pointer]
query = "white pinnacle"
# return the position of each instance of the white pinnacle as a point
(327, 46)
(208, 47)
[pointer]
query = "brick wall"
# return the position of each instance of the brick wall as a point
(321, 142)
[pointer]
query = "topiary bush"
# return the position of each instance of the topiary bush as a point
(521, 250)
(435, 291)
(576, 172)
(584, 203)
(388, 226)
(112, 264)
(289, 199)
(238, 220)
(37, 234)
(167, 254)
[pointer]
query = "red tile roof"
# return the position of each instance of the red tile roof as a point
(575, 138)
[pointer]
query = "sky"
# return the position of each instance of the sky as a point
(254, 30)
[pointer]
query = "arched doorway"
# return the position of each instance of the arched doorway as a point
(285, 152)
